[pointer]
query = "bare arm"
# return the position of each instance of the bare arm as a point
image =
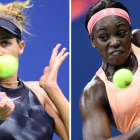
(60, 129)
(96, 124)
(49, 83)
(62, 105)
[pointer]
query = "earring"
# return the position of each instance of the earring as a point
(93, 45)
(20, 52)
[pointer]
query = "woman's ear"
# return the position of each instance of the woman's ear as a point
(21, 47)
(92, 41)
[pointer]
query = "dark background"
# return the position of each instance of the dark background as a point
(86, 61)
(49, 24)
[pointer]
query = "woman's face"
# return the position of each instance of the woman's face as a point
(112, 37)
(9, 44)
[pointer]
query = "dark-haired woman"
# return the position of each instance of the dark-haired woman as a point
(102, 103)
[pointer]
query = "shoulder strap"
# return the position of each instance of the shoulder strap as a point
(136, 50)
(101, 74)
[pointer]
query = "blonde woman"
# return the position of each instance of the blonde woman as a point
(35, 109)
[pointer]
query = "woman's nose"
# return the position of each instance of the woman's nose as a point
(114, 42)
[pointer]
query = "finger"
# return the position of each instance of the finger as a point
(61, 53)
(5, 103)
(3, 117)
(54, 52)
(46, 69)
(55, 70)
(3, 98)
(8, 113)
(3, 95)
(63, 58)
(7, 108)
(4, 110)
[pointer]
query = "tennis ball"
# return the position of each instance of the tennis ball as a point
(122, 78)
(8, 65)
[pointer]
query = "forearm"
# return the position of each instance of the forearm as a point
(133, 134)
(61, 104)
(60, 129)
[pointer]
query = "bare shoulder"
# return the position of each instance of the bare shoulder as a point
(94, 86)
(40, 93)
(42, 96)
(95, 89)
(94, 99)
(92, 95)
(92, 109)
(136, 37)
(34, 85)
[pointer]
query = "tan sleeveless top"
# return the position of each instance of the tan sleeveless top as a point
(124, 103)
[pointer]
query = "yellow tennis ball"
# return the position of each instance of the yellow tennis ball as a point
(8, 65)
(122, 78)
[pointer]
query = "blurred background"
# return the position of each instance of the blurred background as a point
(49, 24)
(85, 58)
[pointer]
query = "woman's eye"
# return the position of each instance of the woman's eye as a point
(5, 43)
(104, 37)
(122, 34)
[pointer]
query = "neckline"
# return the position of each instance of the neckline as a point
(15, 88)
(134, 52)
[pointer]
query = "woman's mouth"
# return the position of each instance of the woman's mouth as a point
(117, 52)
